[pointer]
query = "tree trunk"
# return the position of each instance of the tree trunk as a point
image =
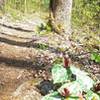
(1, 4)
(61, 15)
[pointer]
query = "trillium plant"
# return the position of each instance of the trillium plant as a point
(75, 84)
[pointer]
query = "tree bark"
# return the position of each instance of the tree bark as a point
(60, 13)
(1, 4)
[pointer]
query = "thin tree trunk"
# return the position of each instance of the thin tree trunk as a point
(61, 15)
(2, 4)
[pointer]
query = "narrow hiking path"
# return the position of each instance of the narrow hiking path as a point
(10, 78)
(13, 72)
(19, 57)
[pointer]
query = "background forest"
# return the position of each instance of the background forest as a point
(85, 12)
(36, 47)
(85, 16)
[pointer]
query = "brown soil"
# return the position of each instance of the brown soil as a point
(14, 66)
(17, 57)
(10, 78)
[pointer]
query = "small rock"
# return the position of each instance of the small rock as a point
(45, 87)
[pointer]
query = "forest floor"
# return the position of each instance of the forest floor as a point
(16, 60)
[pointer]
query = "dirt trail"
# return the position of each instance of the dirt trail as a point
(13, 72)
(17, 57)
(16, 60)
(10, 78)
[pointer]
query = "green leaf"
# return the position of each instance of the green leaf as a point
(59, 74)
(85, 82)
(95, 57)
(48, 28)
(77, 71)
(72, 98)
(74, 88)
(52, 96)
(82, 78)
(92, 96)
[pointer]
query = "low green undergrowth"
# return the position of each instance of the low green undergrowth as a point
(74, 84)
(95, 57)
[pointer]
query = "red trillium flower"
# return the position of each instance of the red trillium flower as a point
(66, 60)
(65, 92)
(97, 87)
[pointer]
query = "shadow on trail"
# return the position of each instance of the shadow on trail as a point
(29, 44)
(16, 28)
(16, 62)
(24, 62)
(13, 36)
(12, 42)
